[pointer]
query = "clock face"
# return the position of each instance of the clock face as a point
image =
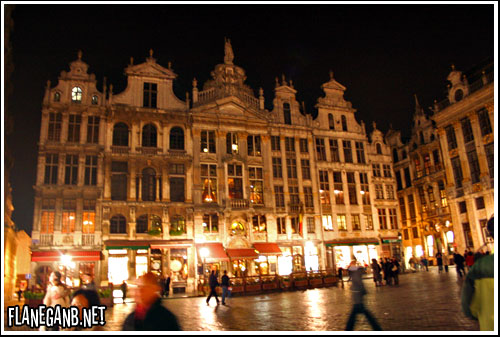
(459, 94)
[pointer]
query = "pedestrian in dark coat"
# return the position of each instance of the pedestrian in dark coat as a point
(123, 288)
(376, 270)
(395, 270)
(150, 314)
(469, 260)
(387, 271)
(459, 263)
(439, 260)
(213, 283)
(166, 286)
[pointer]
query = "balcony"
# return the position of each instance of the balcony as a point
(148, 150)
(120, 149)
(88, 239)
(46, 239)
(295, 208)
(238, 203)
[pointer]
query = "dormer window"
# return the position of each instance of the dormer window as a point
(57, 97)
(76, 95)
(150, 93)
(286, 113)
(379, 148)
(459, 94)
(94, 100)
(331, 123)
(344, 123)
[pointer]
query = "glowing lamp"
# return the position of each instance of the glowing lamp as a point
(204, 252)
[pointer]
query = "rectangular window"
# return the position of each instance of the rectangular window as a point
(88, 224)
(462, 207)
(351, 187)
(294, 195)
(210, 223)
(467, 130)
(55, 122)
(275, 143)
(294, 221)
(469, 243)
(387, 171)
(291, 168)
(442, 194)
(450, 136)
(256, 185)
(93, 129)
(334, 150)
(427, 164)
(306, 169)
(389, 190)
(437, 160)
(209, 179)
(368, 222)
(399, 181)
(480, 203)
(281, 224)
(418, 167)
(277, 168)
(393, 218)
(289, 144)
(91, 170)
(415, 232)
(47, 222)
(327, 223)
(338, 188)
(360, 152)
(311, 228)
(355, 222)
(402, 207)
(51, 165)
(347, 151)
(411, 206)
(68, 216)
(176, 169)
(235, 181)
(232, 143)
(365, 188)
(177, 189)
(259, 224)
(119, 171)
(407, 176)
(490, 158)
(303, 145)
(376, 170)
(74, 128)
(457, 171)
(324, 187)
(253, 145)
(308, 197)
(150, 95)
(279, 196)
(382, 219)
(208, 141)
(71, 170)
(473, 166)
(320, 149)
(379, 191)
(423, 201)
(341, 223)
(484, 122)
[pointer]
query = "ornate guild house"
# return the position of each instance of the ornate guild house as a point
(143, 181)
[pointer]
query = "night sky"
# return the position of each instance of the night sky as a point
(383, 54)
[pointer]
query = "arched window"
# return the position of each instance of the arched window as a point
(344, 123)
(177, 225)
(120, 134)
(149, 135)
(286, 113)
(118, 224)
(177, 138)
(148, 223)
(395, 155)
(76, 95)
(95, 100)
(141, 225)
(148, 184)
(379, 148)
(331, 122)
(57, 97)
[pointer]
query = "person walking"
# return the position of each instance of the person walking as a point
(459, 263)
(446, 261)
(478, 291)
(439, 259)
(166, 286)
(123, 288)
(469, 260)
(213, 283)
(388, 271)
(395, 270)
(19, 294)
(149, 313)
(57, 294)
(425, 263)
(376, 269)
(358, 292)
(225, 284)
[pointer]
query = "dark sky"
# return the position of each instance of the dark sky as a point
(383, 54)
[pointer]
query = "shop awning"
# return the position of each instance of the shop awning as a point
(52, 256)
(146, 244)
(391, 239)
(352, 242)
(215, 251)
(241, 253)
(172, 244)
(268, 248)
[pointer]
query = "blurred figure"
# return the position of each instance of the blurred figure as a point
(439, 259)
(425, 263)
(395, 270)
(150, 314)
(445, 262)
(459, 263)
(19, 294)
(89, 282)
(469, 260)
(376, 269)
(413, 264)
(57, 294)
(166, 286)
(225, 287)
(123, 288)
(478, 292)
(85, 298)
(358, 291)
(213, 283)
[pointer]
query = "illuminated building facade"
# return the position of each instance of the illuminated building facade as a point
(143, 181)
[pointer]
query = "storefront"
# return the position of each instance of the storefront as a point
(342, 252)
(391, 247)
(211, 256)
(242, 261)
(267, 262)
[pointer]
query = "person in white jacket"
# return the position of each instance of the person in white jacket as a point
(57, 293)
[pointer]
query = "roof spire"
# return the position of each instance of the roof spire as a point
(79, 54)
(331, 75)
(228, 52)
(418, 108)
(151, 52)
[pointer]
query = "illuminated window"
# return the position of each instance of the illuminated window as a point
(237, 228)
(341, 223)
(210, 223)
(76, 95)
(232, 143)
(295, 225)
(253, 145)
(68, 216)
(365, 188)
(427, 163)
(209, 178)
(74, 128)
(327, 222)
(118, 224)
(256, 185)
(259, 224)
(368, 222)
(88, 224)
(177, 225)
(281, 225)
(324, 187)
(338, 189)
(235, 181)
(208, 141)
(442, 194)
(95, 100)
(48, 216)
(356, 222)
(418, 167)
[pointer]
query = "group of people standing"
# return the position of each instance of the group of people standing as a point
(388, 269)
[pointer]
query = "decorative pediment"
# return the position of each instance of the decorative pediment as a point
(151, 69)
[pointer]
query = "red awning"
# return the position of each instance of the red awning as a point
(51, 256)
(268, 248)
(215, 251)
(242, 253)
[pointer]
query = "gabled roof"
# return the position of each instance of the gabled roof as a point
(150, 68)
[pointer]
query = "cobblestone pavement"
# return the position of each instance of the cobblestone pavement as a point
(422, 301)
